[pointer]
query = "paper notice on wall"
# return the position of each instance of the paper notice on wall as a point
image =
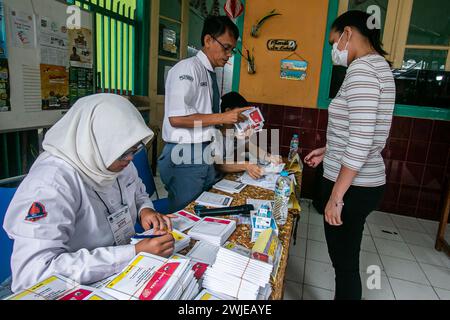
(80, 48)
(23, 29)
(53, 43)
(5, 104)
(54, 87)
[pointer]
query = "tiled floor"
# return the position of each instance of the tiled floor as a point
(411, 269)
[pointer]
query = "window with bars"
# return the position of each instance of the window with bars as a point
(116, 29)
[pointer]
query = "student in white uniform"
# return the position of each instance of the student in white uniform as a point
(192, 110)
(75, 212)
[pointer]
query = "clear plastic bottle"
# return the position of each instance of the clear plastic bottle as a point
(294, 147)
(282, 193)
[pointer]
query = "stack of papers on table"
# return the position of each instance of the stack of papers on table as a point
(237, 275)
(215, 200)
(204, 252)
(266, 182)
(192, 287)
(150, 277)
(229, 186)
(181, 240)
(268, 248)
(211, 295)
(213, 230)
(184, 221)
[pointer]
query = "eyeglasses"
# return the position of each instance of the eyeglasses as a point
(132, 151)
(227, 49)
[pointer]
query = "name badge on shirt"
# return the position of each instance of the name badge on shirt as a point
(121, 226)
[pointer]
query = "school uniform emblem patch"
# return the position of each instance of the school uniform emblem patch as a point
(36, 212)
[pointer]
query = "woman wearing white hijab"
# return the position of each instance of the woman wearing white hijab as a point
(74, 213)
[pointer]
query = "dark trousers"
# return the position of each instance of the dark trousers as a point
(344, 242)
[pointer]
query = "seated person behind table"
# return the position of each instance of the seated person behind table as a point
(231, 139)
(61, 217)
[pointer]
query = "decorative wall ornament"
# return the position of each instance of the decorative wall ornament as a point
(233, 8)
(215, 9)
(281, 45)
(255, 28)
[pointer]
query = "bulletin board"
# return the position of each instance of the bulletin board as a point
(40, 55)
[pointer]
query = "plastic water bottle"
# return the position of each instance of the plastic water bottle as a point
(282, 194)
(294, 147)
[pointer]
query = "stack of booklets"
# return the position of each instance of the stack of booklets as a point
(181, 240)
(268, 248)
(229, 186)
(193, 286)
(150, 277)
(184, 220)
(213, 230)
(58, 287)
(215, 200)
(237, 275)
(202, 255)
(210, 295)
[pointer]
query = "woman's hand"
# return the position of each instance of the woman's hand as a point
(162, 246)
(152, 219)
(333, 211)
(314, 158)
(254, 171)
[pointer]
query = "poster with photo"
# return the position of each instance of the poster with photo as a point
(5, 104)
(80, 48)
(54, 87)
(293, 69)
(81, 83)
(53, 42)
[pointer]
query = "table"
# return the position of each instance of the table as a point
(242, 234)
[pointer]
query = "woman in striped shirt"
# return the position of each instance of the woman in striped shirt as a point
(358, 126)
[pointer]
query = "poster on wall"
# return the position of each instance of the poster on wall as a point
(54, 87)
(81, 83)
(170, 41)
(5, 104)
(80, 48)
(293, 69)
(23, 29)
(53, 42)
(3, 48)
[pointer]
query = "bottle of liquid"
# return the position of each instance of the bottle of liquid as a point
(294, 147)
(282, 193)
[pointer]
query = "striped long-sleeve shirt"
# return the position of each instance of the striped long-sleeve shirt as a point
(359, 122)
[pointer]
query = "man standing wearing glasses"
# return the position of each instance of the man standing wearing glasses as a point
(192, 110)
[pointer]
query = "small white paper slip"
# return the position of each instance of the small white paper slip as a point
(229, 186)
(184, 220)
(210, 199)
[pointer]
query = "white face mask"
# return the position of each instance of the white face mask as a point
(340, 57)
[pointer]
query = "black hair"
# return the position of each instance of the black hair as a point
(216, 26)
(233, 100)
(359, 20)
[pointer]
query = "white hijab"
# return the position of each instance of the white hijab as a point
(95, 132)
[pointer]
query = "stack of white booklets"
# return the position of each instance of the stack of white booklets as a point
(191, 286)
(150, 277)
(213, 230)
(215, 200)
(184, 220)
(237, 275)
(181, 240)
(211, 295)
(229, 186)
(204, 252)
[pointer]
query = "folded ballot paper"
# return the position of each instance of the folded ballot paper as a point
(213, 230)
(150, 277)
(184, 220)
(268, 248)
(215, 200)
(229, 186)
(236, 274)
(181, 240)
(254, 121)
(58, 287)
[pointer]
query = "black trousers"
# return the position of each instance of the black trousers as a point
(344, 242)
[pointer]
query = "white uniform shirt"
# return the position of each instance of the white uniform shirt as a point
(188, 91)
(74, 239)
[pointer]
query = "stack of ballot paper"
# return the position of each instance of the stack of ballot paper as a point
(237, 275)
(192, 287)
(215, 200)
(213, 230)
(150, 277)
(229, 186)
(181, 240)
(266, 182)
(210, 295)
(204, 252)
(268, 248)
(255, 121)
(184, 220)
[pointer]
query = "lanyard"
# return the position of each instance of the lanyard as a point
(104, 203)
